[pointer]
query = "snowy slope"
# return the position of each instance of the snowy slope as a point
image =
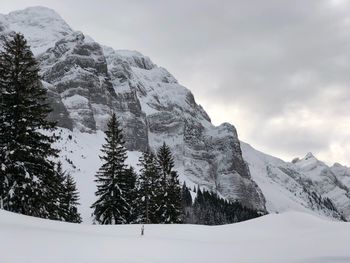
(306, 185)
(289, 237)
(275, 187)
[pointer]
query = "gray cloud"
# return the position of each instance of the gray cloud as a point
(278, 70)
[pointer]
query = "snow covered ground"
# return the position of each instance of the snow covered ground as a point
(281, 238)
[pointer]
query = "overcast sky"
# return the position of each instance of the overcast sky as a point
(278, 70)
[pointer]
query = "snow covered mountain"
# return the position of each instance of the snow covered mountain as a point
(87, 81)
(327, 182)
(305, 184)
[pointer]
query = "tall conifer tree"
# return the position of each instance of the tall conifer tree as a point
(68, 197)
(131, 194)
(170, 193)
(58, 191)
(165, 160)
(27, 172)
(174, 206)
(112, 205)
(71, 200)
(149, 185)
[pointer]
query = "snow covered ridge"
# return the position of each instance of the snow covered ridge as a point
(87, 81)
(289, 238)
(305, 184)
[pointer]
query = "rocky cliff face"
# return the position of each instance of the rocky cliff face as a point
(342, 173)
(87, 81)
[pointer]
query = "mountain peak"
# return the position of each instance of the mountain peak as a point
(337, 165)
(36, 13)
(41, 26)
(309, 155)
(41, 10)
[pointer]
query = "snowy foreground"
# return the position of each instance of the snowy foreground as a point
(288, 237)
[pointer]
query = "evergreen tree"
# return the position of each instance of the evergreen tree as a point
(112, 205)
(166, 161)
(71, 201)
(131, 194)
(27, 172)
(170, 210)
(58, 192)
(186, 197)
(3, 179)
(149, 183)
(68, 197)
(173, 212)
(198, 206)
(186, 201)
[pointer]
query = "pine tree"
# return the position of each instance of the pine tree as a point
(149, 183)
(174, 209)
(68, 197)
(198, 206)
(131, 194)
(165, 161)
(186, 196)
(170, 193)
(112, 206)
(186, 201)
(71, 201)
(27, 172)
(58, 191)
(3, 178)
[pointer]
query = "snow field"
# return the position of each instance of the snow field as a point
(288, 237)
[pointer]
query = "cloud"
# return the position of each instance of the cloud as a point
(278, 70)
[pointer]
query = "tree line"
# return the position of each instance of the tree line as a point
(208, 208)
(31, 183)
(124, 197)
